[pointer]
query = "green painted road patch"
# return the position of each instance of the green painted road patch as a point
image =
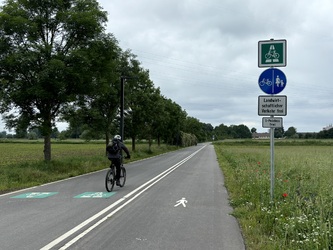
(34, 195)
(95, 195)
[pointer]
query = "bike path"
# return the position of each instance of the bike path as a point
(187, 209)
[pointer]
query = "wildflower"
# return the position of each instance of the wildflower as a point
(284, 195)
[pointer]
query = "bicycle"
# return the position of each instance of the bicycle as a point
(264, 81)
(110, 177)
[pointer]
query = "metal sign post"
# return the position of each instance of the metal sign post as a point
(272, 162)
(272, 53)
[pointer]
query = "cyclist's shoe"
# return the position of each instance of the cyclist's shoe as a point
(117, 182)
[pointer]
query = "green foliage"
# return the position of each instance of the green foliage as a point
(202, 132)
(300, 217)
(325, 134)
(233, 132)
(188, 139)
(291, 133)
(278, 132)
(50, 53)
(3, 134)
(141, 98)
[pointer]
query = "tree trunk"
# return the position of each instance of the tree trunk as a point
(47, 148)
(150, 142)
(107, 141)
(133, 143)
(158, 140)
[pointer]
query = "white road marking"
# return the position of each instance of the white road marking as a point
(183, 201)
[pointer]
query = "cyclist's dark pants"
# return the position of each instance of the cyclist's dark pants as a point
(116, 162)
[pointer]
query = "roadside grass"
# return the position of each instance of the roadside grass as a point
(22, 164)
(301, 214)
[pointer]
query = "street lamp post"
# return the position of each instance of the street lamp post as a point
(122, 82)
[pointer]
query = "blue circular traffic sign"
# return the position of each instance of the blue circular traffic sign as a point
(272, 81)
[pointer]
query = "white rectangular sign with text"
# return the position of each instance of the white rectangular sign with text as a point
(272, 122)
(272, 105)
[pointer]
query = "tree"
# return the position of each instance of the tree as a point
(240, 131)
(3, 134)
(159, 122)
(142, 99)
(278, 132)
(174, 122)
(200, 130)
(325, 134)
(222, 132)
(154, 117)
(47, 59)
(291, 132)
(98, 110)
(208, 129)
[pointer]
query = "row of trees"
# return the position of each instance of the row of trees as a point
(190, 132)
(59, 64)
(196, 132)
(291, 132)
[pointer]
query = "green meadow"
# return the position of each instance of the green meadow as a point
(300, 215)
(22, 163)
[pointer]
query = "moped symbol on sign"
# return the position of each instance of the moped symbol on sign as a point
(272, 81)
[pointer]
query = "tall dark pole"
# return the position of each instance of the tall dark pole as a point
(122, 81)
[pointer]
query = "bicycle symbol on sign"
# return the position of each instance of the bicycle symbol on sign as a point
(265, 81)
(272, 55)
(272, 81)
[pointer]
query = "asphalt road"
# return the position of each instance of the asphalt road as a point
(172, 201)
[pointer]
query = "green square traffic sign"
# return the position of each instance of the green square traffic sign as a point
(272, 53)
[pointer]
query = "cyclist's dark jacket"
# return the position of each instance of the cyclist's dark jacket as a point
(117, 155)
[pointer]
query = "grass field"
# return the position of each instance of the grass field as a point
(301, 214)
(22, 163)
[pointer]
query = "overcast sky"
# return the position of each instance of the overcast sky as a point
(204, 55)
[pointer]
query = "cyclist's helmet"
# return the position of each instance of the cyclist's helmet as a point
(117, 137)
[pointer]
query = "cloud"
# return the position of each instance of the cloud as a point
(204, 55)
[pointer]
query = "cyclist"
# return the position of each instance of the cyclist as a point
(114, 154)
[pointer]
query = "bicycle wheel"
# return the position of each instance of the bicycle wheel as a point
(109, 180)
(122, 178)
